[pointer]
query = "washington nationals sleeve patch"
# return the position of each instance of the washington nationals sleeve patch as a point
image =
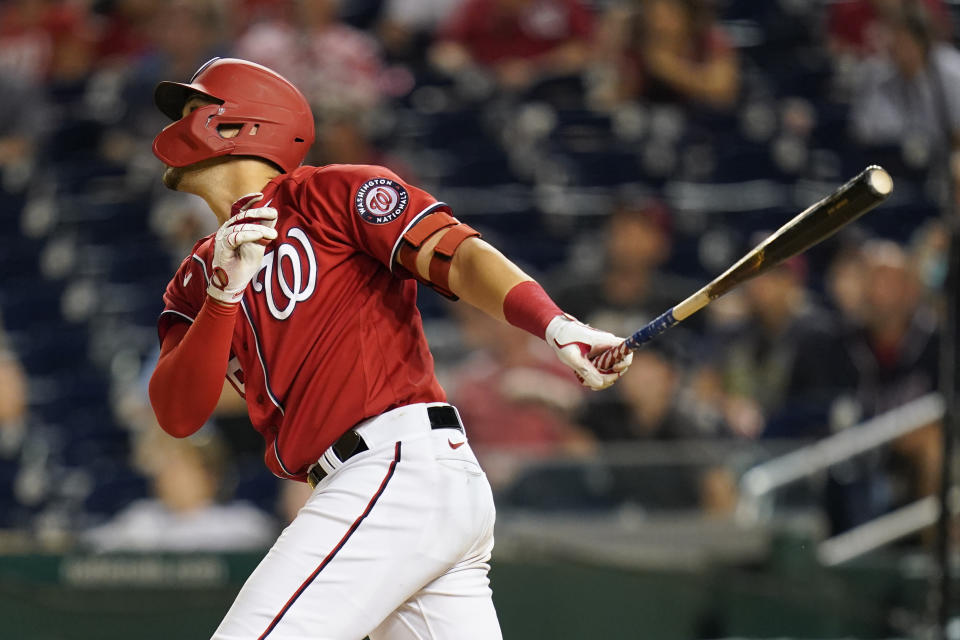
(381, 200)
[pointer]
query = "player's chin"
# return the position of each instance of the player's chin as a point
(172, 177)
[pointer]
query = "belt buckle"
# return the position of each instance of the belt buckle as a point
(345, 447)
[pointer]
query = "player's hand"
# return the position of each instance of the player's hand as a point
(575, 343)
(239, 247)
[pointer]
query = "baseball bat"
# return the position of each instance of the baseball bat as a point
(815, 224)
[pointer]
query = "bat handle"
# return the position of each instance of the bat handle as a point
(613, 355)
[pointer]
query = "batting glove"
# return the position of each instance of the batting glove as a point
(239, 248)
(575, 343)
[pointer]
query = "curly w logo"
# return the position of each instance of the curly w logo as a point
(284, 272)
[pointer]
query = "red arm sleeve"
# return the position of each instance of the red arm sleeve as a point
(186, 384)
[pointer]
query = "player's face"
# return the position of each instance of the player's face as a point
(173, 177)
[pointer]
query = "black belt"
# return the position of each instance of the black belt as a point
(350, 443)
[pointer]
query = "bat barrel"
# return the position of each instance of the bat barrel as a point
(818, 222)
(878, 181)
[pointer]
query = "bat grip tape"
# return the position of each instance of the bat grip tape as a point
(653, 328)
(661, 323)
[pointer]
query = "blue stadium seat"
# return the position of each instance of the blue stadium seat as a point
(50, 347)
(18, 256)
(253, 483)
(114, 487)
(29, 301)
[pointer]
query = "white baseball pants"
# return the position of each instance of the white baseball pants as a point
(394, 543)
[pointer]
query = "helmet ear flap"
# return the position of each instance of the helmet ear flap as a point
(191, 139)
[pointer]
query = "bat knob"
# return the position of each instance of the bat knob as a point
(879, 180)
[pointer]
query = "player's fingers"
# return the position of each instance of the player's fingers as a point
(598, 381)
(609, 358)
(591, 379)
(266, 215)
(245, 202)
(231, 232)
(269, 218)
(605, 360)
(601, 342)
(250, 233)
(588, 374)
(607, 380)
(623, 364)
(595, 378)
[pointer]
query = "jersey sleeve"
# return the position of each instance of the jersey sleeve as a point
(371, 206)
(185, 292)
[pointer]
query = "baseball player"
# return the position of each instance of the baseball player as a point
(305, 299)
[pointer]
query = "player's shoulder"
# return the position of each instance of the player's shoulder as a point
(204, 247)
(352, 174)
(345, 180)
(376, 193)
(202, 250)
(333, 178)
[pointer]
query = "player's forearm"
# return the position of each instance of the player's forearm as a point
(482, 276)
(187, 382)
(492, 283)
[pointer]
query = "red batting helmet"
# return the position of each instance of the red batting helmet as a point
(275, 119)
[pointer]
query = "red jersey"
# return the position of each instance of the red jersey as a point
(327, 335)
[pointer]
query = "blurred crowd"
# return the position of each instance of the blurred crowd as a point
(622, 151)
